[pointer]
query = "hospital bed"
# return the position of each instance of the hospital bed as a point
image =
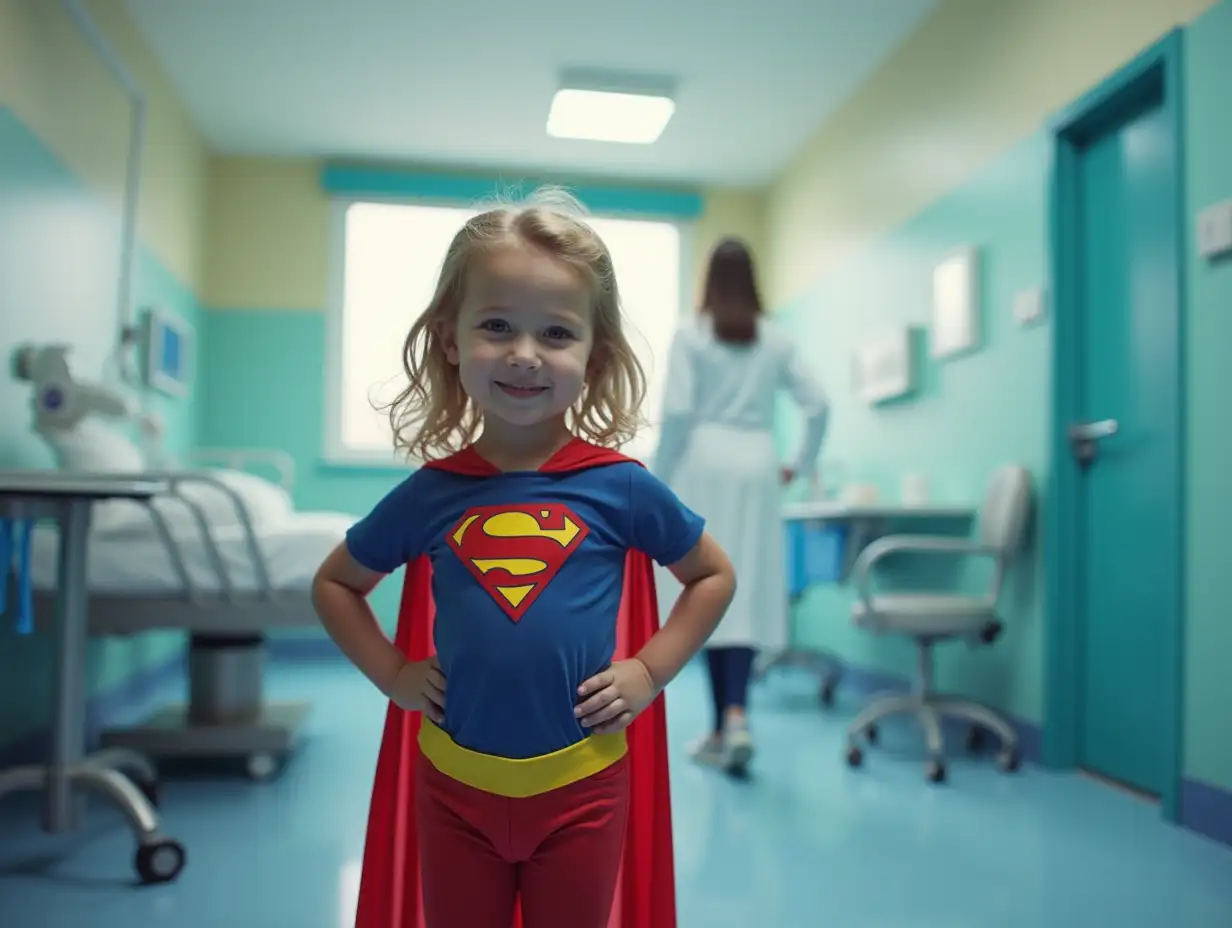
(221, 554)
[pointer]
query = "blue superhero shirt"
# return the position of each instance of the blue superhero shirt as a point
(527, 576)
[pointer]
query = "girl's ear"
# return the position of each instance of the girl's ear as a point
(597, 361)
(447, 332)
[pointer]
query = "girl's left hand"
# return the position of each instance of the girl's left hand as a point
(614, 698)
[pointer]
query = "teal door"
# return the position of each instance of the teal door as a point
(1125, 443)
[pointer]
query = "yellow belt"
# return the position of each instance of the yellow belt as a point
(520, 777)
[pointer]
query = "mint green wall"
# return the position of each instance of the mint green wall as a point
(263, 388)
(992, 407)
(59, 261)
(1208, 652)
(969, 416)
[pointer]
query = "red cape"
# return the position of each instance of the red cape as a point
(389, 892)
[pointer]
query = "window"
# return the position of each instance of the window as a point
(390, 255)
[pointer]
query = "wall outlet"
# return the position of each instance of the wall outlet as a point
(1215, 231)
(1029, 305)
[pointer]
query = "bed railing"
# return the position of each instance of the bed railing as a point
(242, 458)
(177, 479)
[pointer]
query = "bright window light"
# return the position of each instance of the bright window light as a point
(393, 254)
(599, 116)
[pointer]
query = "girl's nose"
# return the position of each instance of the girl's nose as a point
(524, 353)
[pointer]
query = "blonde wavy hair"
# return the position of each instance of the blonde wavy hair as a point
(433, 417)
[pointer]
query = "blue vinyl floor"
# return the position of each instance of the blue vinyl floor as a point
(804, 842)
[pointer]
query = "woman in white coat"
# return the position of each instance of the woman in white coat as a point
(716, 450)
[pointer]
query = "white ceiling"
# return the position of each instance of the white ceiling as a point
(469, 82)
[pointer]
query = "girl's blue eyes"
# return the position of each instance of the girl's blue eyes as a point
(555, 333)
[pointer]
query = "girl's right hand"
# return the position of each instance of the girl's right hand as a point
(420, 687)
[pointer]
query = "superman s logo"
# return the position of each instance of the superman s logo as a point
(515, 551)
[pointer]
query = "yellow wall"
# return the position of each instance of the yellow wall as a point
(267, 239)
(53, 83)
(976, 77)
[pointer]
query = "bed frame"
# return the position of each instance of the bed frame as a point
(226, 715)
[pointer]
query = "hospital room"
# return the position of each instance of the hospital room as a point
(293, 293)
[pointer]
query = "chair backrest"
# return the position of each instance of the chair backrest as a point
(1006, 510)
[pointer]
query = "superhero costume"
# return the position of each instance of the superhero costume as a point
(540, 510)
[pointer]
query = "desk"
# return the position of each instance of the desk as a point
(864, 524)
(68, 499)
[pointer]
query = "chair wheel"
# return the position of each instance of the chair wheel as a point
(854, 756)
(1008, 761)
(871, 734)
(160, 861)
(977, 740)
(935, 771)
(152, 791)
(827, 693)
(261, 767)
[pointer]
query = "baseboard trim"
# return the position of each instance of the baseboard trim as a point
(1207, 809)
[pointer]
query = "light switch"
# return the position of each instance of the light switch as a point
(1029, 305)
(1215, 230)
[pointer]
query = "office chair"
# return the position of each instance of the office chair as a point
(929, 618)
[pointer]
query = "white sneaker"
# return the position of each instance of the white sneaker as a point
(737, 748)
(709, 751)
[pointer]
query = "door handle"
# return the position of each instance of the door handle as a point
(1093, 431)
(1084, 438)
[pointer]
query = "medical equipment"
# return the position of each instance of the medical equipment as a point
(219, 553)
(169, 350)
(68, 499)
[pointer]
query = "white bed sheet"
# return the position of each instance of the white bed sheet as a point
(137, 565)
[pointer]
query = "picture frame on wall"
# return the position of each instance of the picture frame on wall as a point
(884, 368)
(956, 304)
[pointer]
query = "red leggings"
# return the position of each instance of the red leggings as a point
(560, 851)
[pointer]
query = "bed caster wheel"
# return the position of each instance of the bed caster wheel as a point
(934, 770)
(1008, 761)
(828, 693)
(261, 767)
(977, 740)
(855, 757)
(160, 861)
(152, 791)
(871, 734)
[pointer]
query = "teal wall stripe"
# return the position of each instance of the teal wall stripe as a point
(383, 183)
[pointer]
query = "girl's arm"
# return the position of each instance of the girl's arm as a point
(709, 584)
(339, 593)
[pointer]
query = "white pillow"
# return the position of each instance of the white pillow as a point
(266, 504)
(97, 447)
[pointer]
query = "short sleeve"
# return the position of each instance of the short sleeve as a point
(663, 527)
(387, 537)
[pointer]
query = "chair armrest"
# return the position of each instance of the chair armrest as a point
(879, 550)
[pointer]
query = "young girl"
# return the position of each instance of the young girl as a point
(509, 773)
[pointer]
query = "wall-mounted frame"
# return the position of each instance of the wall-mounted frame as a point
(956, 304)
(169, 352)
(884, 368)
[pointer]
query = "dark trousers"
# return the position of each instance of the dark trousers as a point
(729, 679)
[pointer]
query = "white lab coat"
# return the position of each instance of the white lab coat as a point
(716, 450)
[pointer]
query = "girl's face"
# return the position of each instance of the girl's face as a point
(523, 336)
